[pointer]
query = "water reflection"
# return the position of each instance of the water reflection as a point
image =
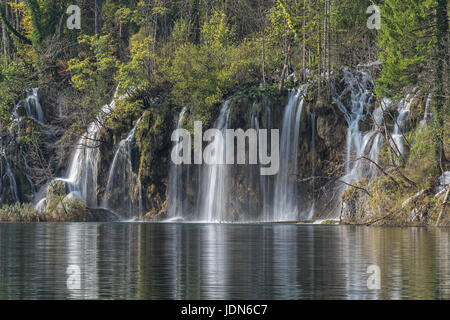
(217, 261)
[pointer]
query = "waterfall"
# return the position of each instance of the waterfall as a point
(81, 180)
(313, 163)
(120, 193)
(377, 141)
(33, 107)
(401, 124)
(214, 179)
(82, 175)
(264, 181)
(30, 107)
(266, 184)
(427, 116)
(285, 203)
(359, 84)
(175, 208)
(358, 144)
(12, 182)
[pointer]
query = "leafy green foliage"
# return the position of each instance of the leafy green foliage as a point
(137, 72)
(14, 77)
(421, 162)
(203, 74)
(405, 44)
(95, 66)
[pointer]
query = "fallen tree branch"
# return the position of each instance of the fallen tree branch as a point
(380, 168)
(379, 219)
(353, 186)
(443, 206)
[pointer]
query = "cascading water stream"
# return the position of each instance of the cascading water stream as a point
(401, 124)
(33, 106)
(12, 182)
(285, 203)
(214, 177)
(264, 181)
(360, 97)
(313, 163)
(175, 208)
(358, 144)
(81, 180)
(122, 193)
(427, 116)
(30, 107)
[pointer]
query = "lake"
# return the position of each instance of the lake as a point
(220, 261)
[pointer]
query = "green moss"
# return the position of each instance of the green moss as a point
(420, 165)
(153, 140)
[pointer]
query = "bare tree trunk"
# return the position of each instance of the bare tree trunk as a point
(441, 66)
(285, 68)
(5, 40)
(263, 60)
(98, 17)
(263, 51)
(324, 68)
(329, 37)
(303, 72)
(443, 207)
(319, 53)
(196, 21)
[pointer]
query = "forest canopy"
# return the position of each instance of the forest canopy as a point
(195, 53)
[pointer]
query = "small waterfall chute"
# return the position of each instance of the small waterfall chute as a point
(175, 207)
(285, 203)
(401, 124)
(30, 108)
(358, 144)
(313, 163)
(81, 179)
(122, 193)
(214, 177)
(428, 115)
(264, 181)
(12, 182)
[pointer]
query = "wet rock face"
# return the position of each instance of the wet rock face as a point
(330, 129)
(17, 183)
(246, 201)
(153, 138)
(355, 208)
(244, 181)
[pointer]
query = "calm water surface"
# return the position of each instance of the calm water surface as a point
(213, 261)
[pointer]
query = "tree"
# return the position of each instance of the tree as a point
(7, 25)
(405, 41)
(441, 66)
(98, 17)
